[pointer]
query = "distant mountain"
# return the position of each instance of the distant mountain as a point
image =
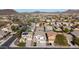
(37, 12)
(71, 11)
(44, 12)
(7, 12)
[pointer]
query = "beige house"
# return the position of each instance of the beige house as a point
(51, 37)
(76, 29)
(38, 24)
(48, 20)
(48, 28)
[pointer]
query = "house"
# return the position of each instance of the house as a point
(27, 35)
(65, 23)
(76, 22)
(76, 29)
(42, 19)
(53, 20)
(68, 27)
(32, 27)
(48, 28)
(7, 28)
(51, 37)
(40, 29)
(15, 24)
(24, 35)
(71, 24)
(48, 20)
(4, 18)
(3, 34)
(40, 38)
(37, 24)
(75, 33)
(29, 39)
(57, 29)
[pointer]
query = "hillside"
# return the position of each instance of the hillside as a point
(72, 11)
(7, 12)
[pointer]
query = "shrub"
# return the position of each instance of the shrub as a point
(66, 30)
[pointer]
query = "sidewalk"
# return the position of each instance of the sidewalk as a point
(13, 45)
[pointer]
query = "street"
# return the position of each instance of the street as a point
(7, 43)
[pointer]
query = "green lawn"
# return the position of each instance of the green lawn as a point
(61, 40)
(21, 44)
(76, 41)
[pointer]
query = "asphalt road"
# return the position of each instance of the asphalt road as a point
(8, 42)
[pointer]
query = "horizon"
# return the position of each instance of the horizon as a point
(40, 10)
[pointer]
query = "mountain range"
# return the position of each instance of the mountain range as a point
(12, 11)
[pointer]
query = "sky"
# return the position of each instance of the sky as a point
(41, 10)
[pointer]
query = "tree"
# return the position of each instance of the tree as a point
(34, 44)
(61, 40)
(14, 28)
(18, 34)
(76, 25)
(22, 42)
(71, 30)
(66, 30)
